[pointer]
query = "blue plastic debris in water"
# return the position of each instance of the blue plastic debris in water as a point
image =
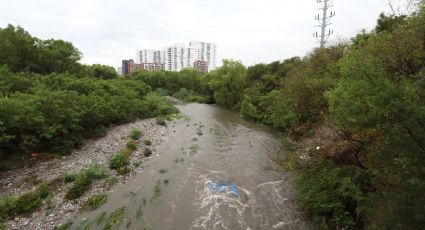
(224, 187)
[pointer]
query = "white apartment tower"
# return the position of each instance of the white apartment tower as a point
(150, 56)
(206, 52)
(178, 57)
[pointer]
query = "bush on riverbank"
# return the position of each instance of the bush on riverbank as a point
(84, 179)
(136, 134)
(119, 161)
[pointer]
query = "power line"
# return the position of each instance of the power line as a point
(135, 27)
(138, 22)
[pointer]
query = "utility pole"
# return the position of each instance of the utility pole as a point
(324, 21)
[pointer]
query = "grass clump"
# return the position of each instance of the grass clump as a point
(68, 178)
(147, 142)
(110, 182)
(132, 145)
(147, 152)
(161, 120)
(96, 201)
(25, 203)
(119, 162)
(84, 179)
(136, 134)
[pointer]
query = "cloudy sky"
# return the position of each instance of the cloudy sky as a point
(251, 31)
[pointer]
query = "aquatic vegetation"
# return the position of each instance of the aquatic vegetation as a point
(100, 218)
(96, 201)
(144, 202)
(156, 192)
(199, 132)
(86, 224)
(64, 226)
(194, 149)
(139, 212)
(115, 219)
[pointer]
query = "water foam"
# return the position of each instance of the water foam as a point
(219, 210)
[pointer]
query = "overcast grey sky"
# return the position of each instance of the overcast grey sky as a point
(252, 31)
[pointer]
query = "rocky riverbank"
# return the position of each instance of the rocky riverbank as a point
(59, 210)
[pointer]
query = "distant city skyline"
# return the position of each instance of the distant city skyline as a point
(179, 56)
(251, 31)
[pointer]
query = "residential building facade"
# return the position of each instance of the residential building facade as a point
(150, 56)
(204, 51)
(199, 55)
(201, 66)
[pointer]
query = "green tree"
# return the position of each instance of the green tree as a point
(103, 71)
(228, 83)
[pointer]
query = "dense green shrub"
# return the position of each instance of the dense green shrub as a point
(190, 95)
(61, 110)
(25, 203)
(248, 110)
(68, 102)
(333, 194)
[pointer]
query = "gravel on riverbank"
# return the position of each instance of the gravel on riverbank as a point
(21, 180)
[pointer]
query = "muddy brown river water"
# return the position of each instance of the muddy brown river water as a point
(213, 172)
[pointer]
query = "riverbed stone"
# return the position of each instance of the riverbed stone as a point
(99, 151)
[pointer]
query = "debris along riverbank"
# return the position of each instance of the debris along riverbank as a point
(55, 210)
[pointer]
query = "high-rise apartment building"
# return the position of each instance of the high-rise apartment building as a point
(177, 57)
(201, 55)
(204, 51)
(150, 56)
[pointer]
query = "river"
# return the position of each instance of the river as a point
(213, 172)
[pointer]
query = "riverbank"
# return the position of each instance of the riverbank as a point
(98, 151)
